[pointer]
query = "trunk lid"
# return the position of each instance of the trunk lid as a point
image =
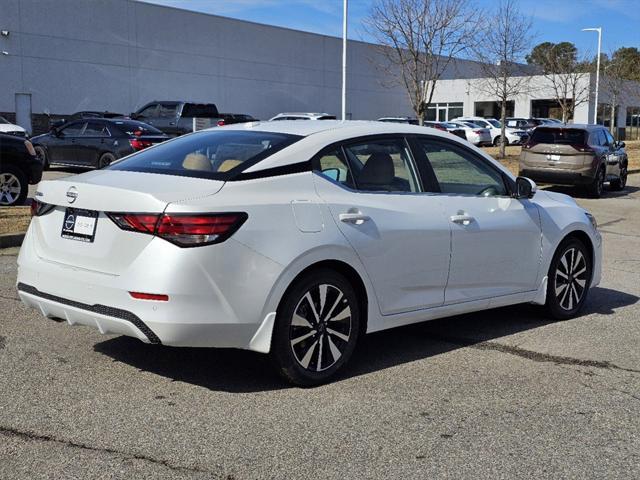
(112, 249)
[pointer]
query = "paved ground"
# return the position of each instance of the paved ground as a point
(501, 394)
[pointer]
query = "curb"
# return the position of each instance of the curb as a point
(635, 170)
(8, 240)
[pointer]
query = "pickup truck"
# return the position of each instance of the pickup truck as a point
(176, 118)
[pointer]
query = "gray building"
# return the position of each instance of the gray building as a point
(63, 56)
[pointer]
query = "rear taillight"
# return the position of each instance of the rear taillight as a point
(138, 144)
(583, 148)
(135, 222)
(478, 132)
(221, 123)
(40, 208)
(29, 146)
(184, 230)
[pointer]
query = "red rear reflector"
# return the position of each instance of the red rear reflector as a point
(150, 296)
(221, 123)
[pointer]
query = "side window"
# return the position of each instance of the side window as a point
(459, 171)
(95, 129)
(167, 110)
(382, 165)
(610, 139)
(602, 138)
(73, 129)
(149, 111)
(334, 166)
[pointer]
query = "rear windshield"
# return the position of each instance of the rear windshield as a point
(495, 123)
(327, 117)
(131, 126)
(3, 120)
(217, 155)
(561, 136)
(200, 110)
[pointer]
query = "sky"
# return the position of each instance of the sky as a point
(553, 20)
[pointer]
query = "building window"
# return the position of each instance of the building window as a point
(443, 112)
(493, 109)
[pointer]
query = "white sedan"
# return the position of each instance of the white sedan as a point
(296, 238)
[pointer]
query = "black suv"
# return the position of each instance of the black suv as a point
(19, 167)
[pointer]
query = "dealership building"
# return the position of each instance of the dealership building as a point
(62, 56)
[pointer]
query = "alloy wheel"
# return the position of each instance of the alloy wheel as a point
(320, 327)
(9, 188)
(571, 279)
(600, 184)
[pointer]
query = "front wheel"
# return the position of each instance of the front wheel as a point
(621, 182)
(569, 279)
(316, 329)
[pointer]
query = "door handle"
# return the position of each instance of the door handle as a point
(172, 123)
(462, 219)
(354, 218)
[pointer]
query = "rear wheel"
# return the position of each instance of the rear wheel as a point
(14, 186)
(106, 159)
(596, 187)
(569, 279)
(316, 329)
(621, 182)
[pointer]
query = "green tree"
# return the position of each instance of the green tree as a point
(554, 57)
(628, 59)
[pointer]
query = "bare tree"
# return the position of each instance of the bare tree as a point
(506, 40)
(565, 74)
(418, 40)
(570, 89)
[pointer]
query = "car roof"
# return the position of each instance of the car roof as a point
(582, 126)
(318, 135)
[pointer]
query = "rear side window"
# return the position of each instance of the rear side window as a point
(559, 136)
(382, 166)
(200, 110)
(216, 155)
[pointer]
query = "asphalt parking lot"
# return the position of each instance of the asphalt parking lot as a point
(498, 394)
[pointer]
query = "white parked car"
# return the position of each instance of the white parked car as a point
(514, 136)
(9, 128)
(302, 116)
(296, 238)
(476, 135)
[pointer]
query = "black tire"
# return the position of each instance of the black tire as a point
(596, 187)
(566, 296)
(14, 186)
(42, 154)
(309, 350)
(106, 159)
(496, 141)
(619, 184)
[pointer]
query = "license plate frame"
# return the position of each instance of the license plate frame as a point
(79, 224)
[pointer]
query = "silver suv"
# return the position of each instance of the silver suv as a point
(585, 155)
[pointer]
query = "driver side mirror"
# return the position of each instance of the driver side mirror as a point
(620, 144)
(525, 188)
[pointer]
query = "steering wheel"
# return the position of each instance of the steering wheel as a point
(490, 191)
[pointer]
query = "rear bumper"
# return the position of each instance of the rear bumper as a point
(206, 308)
(560, 177)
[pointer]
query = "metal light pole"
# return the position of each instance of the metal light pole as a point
(599, 30)
(344, 60)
